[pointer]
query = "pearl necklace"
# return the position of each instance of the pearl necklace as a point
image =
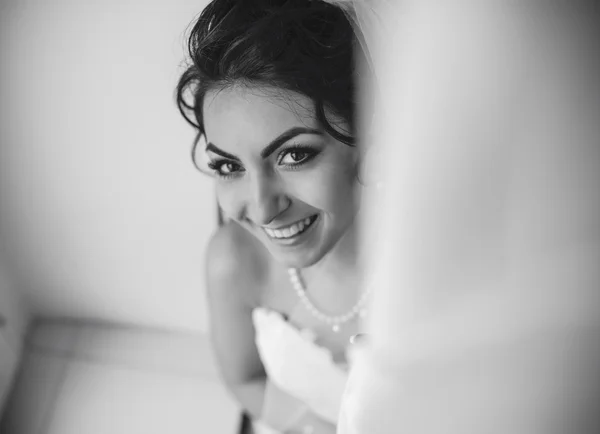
(334, 321)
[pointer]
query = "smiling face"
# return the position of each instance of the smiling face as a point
(278, 173)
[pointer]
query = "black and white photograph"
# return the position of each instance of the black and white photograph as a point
(299, 217)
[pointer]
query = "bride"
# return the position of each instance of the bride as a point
(272, 89)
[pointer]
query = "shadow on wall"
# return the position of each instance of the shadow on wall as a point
(14, 319)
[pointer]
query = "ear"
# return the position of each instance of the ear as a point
(370, 167)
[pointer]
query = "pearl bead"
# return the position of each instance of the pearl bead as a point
(334, 321)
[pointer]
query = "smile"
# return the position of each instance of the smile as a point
(292, 231)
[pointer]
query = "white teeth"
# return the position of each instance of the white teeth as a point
(290, 231)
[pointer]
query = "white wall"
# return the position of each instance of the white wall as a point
(102, 212)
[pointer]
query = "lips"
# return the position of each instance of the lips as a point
(292, 231)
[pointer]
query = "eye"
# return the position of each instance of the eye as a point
(224, 168)
(228, 168)
(296, 156)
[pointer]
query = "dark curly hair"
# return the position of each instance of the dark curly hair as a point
(305, 46)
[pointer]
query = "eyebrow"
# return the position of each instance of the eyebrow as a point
(212, 148)
(271, 147)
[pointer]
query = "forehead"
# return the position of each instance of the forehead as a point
(241, 115)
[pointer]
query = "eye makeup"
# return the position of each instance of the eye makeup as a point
(225, 169)
(292, 157)
(295, 156)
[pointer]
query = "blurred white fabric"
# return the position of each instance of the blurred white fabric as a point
(486, 239)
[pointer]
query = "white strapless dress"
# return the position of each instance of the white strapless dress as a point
(298, 366)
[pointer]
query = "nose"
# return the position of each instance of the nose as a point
(266, 200)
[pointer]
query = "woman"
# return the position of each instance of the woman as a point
(272, 91)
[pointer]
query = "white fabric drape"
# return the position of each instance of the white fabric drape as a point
(485, 314)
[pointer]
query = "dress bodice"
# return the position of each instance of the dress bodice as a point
(298, 365)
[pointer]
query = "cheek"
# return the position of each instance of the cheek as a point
(330, 188)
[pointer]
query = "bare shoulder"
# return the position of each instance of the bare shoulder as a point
(237, 265)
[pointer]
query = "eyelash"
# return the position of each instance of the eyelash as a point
(217, 165)
(310, 153)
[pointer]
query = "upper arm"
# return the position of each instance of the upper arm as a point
(231, 284)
